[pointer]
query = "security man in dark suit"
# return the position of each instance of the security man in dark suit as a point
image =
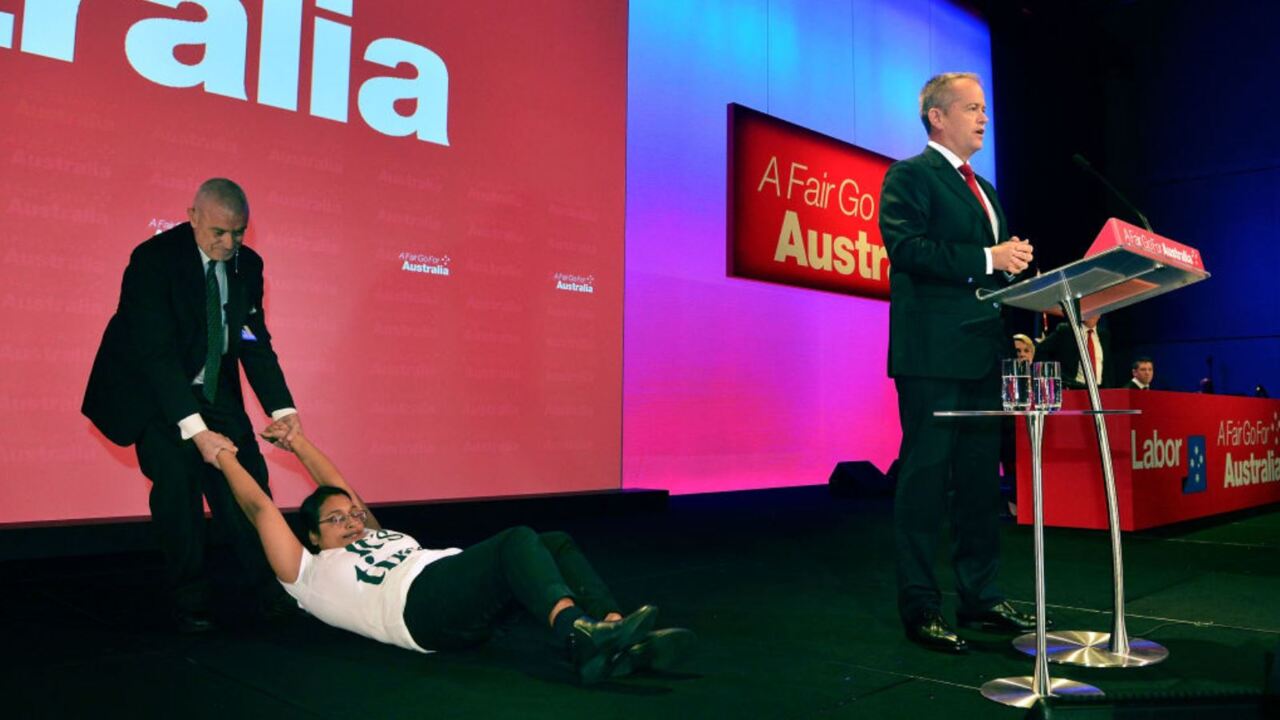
(946, 236)
(1060, 345)
(166, 380)
(1143, 373)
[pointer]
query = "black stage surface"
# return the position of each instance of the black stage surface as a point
(791, 592)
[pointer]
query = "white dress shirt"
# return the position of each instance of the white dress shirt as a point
(956, 162)
(193, 423)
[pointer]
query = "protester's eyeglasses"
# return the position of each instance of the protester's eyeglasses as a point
(341, 518)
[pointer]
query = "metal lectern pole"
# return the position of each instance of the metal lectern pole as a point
(1084, 647)
(1026, 691)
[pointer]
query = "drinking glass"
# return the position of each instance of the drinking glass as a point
(1015, 384)
(1048, 385)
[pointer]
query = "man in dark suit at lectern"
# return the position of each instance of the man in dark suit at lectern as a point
(946, 237)
(166, 379)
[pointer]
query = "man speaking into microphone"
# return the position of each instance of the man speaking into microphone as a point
(166, 380)
(946, 236)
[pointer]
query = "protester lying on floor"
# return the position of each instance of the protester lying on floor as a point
(379, 583)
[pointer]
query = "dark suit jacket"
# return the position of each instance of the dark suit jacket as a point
(1060, 345)
(935, 230)
(155, 343)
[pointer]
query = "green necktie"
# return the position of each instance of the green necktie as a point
(213, 326)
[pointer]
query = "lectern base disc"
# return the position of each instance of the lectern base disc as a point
(1016, 691)
(1086, 648)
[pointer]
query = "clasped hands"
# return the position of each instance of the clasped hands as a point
(280, 433)
(1012, 256)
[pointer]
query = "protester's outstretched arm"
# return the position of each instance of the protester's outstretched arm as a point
(318, 466)
(283, 550)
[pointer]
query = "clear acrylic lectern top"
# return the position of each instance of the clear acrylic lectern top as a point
(1125, 265)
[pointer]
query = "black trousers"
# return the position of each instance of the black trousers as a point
(180, 479)
(1009, 457)
(947, 469)
(455, 601)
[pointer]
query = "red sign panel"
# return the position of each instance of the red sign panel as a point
(804, 207)
(1186, 456)
(1118, 233)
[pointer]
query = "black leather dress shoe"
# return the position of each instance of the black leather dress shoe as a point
(596, 646)
(192, 621)
(657, 650)
(932, 632)
(1001, 617)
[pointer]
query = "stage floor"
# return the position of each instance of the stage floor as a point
(790, 591)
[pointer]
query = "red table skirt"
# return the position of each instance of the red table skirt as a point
(1186, 456)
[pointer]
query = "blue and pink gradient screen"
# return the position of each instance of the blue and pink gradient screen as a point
(731, 383)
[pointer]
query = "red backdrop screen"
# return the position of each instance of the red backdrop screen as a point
(436, 188)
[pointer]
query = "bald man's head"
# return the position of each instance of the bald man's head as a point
(224, 192)
(219, 216)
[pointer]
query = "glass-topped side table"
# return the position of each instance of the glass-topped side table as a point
(1025, 691)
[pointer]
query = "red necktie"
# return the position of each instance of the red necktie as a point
(1093, 355)
(972, 181)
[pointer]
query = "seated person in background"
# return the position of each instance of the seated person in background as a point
(1023, 348)
(378, 583)
(1060, 345)
(1143, 371)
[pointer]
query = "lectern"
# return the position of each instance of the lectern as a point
(1125, 265)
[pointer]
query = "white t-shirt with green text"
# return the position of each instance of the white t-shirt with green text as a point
(362, 587)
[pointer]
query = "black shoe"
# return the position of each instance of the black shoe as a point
(193, 621)
(932, 632)
(658, 650)
(595, 646)
(1002, 617)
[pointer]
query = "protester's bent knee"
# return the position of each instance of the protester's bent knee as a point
(519, 534)
(556, 540)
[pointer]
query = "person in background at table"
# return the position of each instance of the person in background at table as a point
(1144, 372)
(1060, 345)
(1024, 348)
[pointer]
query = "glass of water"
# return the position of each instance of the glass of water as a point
(1048, 385)
(1015, 383)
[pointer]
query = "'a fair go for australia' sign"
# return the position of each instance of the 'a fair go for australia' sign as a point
(804, 207)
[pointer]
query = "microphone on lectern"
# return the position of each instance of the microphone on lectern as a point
(1088, 168)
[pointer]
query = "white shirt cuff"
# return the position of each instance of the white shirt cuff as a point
(190, 425)
(987, 252)
(283, 412)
